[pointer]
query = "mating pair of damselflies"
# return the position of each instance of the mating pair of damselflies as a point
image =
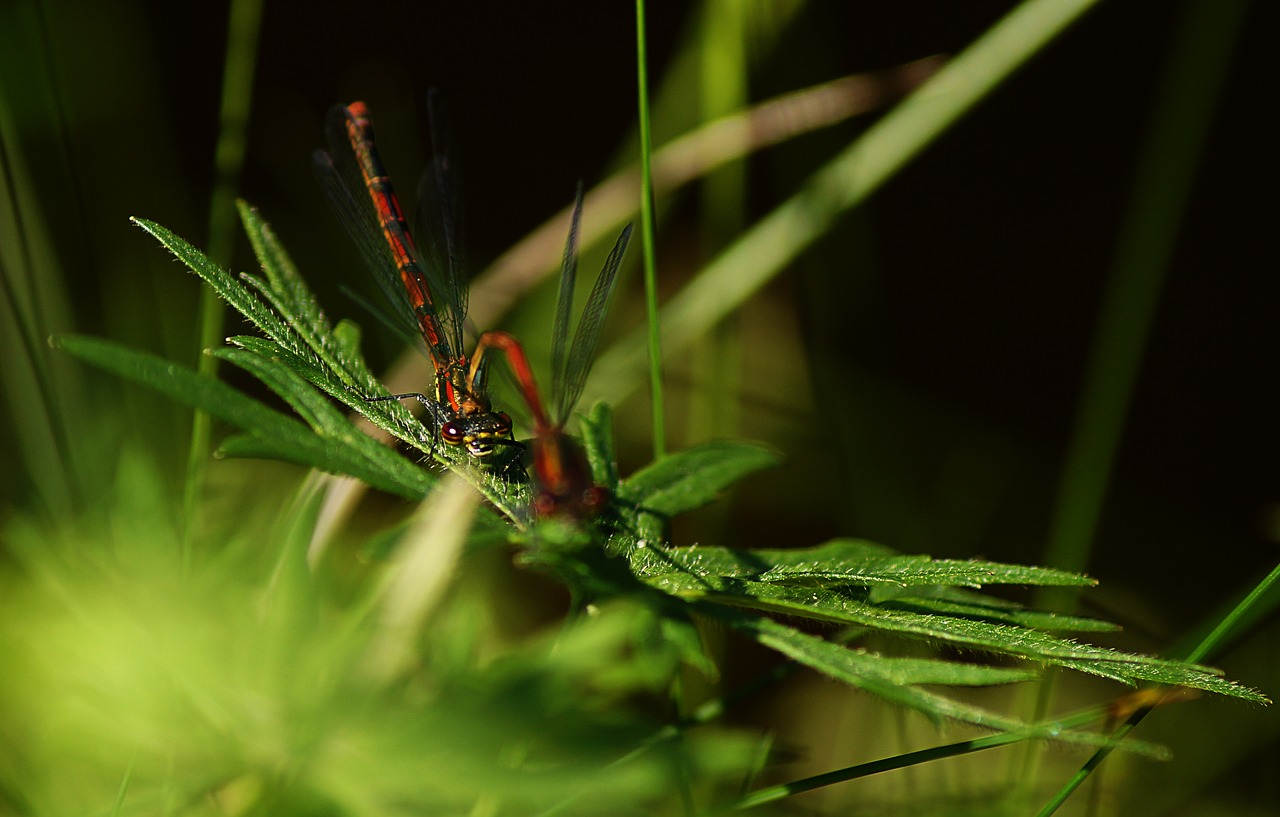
(428, 294)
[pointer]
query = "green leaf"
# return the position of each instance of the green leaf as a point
(271, 433)
(181, 383)
(331, 457)
(391, 417)
(304, 340)
(692, 478)
(912, 671)
(847, 562)
(347, 335)
(315, 409)
(882, 677)
(597, 441)
(325, 419)
(984, 609)
(1018, 642)
(301, 343)
(279, 268)
(682, 636)
(231, 290)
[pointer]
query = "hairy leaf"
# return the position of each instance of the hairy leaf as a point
(690, 479)
(852, 562)
(284, 437)
(885, 678)
(1012, 641)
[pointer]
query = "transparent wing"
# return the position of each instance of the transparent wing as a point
(587, 338)
(440, 225)
(399, 277)
(564, 303)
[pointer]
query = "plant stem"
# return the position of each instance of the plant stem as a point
(647, 238)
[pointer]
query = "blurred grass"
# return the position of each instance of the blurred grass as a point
(844, 182)
(80, 153)
(1169, 161)
(1204, 39)
(244, 23)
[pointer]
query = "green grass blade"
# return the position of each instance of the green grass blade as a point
(771, 794)
(41, 397)
(1203, 649)
(724, 43)
(1162, 184)
(652, 331)
(1204, 39)
(1244, 611)
(415, 581)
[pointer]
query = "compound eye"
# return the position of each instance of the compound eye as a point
(503, 425)
(452, 433)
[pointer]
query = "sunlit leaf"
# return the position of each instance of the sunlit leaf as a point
(852, 562)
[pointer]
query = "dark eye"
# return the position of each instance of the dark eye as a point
(503, 425)
(452, 433)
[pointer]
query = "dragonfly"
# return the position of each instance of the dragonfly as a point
(426, 293)
(561, 472)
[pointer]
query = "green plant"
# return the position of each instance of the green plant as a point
(623, 563)
(252, 655)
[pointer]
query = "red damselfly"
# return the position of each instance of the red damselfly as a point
(427, 294)
(560, 468)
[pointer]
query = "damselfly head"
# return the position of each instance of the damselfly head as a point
(481, 433)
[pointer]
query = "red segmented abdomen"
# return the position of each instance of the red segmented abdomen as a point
(396, 232)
